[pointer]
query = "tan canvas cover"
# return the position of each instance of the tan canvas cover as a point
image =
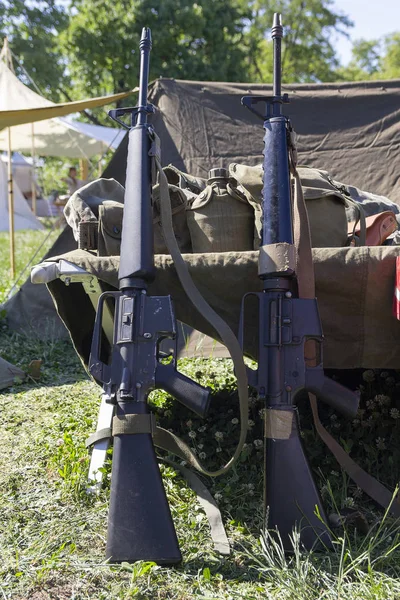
(55, 137)
(23, 216)
(19, 104)
(354, 288)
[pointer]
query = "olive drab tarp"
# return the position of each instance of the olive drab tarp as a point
(352, 130)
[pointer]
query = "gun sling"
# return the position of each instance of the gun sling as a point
(287, 252)
(368, 262)
(306, 287)
(279, 422)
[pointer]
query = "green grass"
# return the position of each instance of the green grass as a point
(53, 534)
(27, 242)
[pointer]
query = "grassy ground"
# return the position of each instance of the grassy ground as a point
(52, 534)
(27, 244)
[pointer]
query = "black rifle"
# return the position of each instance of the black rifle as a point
(140, 526)
(286, 323)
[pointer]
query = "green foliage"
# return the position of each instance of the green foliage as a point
(372, 438)
(51, 173)
(307, 50)
(391, 58)
(201, 41)
(52, 534)
(373, 59)
(33, 28)
(72, 47)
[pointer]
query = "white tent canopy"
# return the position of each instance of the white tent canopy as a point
(62, 137)
(19, 104)
(23, 216)
(22, 171)
(30, 123)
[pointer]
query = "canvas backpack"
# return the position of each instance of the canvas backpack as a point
(95, 212)
(326, 203)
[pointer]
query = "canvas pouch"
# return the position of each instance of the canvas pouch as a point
(326, 204)
(190, 184)
(179, 204)
(372, 204)
(82, 211)
(95, 212)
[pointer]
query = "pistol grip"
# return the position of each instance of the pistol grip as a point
(187, 392)
(336, 395)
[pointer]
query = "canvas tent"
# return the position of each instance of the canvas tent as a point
(19, 104)
(23, 216)
(350, 129)
(62, 137)
(55, 137)
(22, 170)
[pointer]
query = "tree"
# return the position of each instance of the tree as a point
(390, 61)
(193, 41)
(32, 28)
(373, 59)
(307, 51)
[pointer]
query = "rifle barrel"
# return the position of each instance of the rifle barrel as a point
(145, 46)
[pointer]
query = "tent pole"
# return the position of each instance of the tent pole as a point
(84, 168)
(33, 185)
(11, 207)
(100, 163)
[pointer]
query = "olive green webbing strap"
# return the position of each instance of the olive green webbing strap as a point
(146, 423)
(371, 486)
(306, 283)
(362, 237)
(210, 507)
(226, 335)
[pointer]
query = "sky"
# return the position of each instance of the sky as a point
(372, 19)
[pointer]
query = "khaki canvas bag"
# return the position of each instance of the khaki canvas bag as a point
(179, 204)
(95, 212)
(326, 203)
